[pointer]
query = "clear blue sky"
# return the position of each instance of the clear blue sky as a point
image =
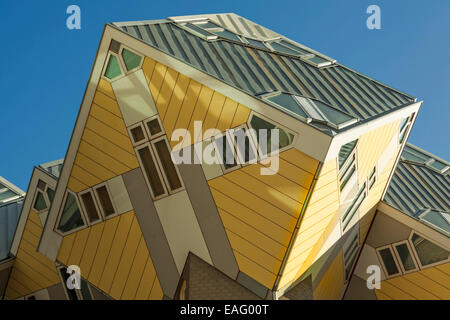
(45, 66)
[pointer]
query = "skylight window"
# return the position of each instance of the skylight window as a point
(256, 43)
(311, 110)
(437, 219)
(438, 166)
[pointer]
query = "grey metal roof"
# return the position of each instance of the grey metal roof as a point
(11, 201)
(421, 188)
(257, 71)
(53, 167)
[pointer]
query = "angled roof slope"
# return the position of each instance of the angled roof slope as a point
(53, 167)
(420, 187)
(256, 70)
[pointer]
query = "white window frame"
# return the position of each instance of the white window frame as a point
(46, 200)
(97, 200)
(416, 255)
(122, 65)
(400, 260)
(60, 215)
(97, 206)
(391, 249)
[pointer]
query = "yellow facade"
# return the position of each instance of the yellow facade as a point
(428, 284)
(260, 212)
(31, 271)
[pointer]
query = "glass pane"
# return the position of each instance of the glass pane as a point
(154, 127)
(208, 25)
(285, 138)
(388, 261)
(50, 194)
(405, 257)
(71, 215)
(403, 123)
(131, 59)
(347, 177)
(438, 165)
(345, 151)
(7, 194)
(137, 134)
(278, 47)
(241, 137)
(427, 251)
(105, 201)
(227, 35)
(256, 43)
(151, 172)
(439, 220)
(168, 166)
(333, 115)
(85, 290)
(293, 47)
(197, 29)
(317, 60)
(226, 152)
(89, 205)
(288, 102)
(402, 135)
(113, 68)
(39, 203)
(71, 292)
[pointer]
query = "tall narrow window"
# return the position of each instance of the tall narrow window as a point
(388, 260)
(405, 257)
(244, 145)
(162, 150)
(226, 152)
(105, 201)
(353, 208)
(50, 194)
(90, 207)
(151, 172)
(72, 294)
(70, 218)
(345, 152)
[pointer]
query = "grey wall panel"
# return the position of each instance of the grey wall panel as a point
(386, 230)
(56, 292)
(209, 220)
(152, 231)
(357, 290)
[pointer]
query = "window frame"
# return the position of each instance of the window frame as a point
(144, 130)
(119, 59)
(47, 201)
(400, 260)
(352, 160)
(160, 166)
(354, 206)
(230, 141)
(346, 246)
(97, 207)
(56, 228)
(394, 257)
(141, 165)
(121, 48)
(97, 200)
(372, 178)
(147, 130)
(416, 255)
(78, 292)
(276, 124)
(241, 158)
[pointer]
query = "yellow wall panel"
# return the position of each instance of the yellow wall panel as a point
(166, 91)
(176, 101)
(254, 270)
(227, 115)
(241, 116)
(332, 283)
(371, 146)
(148, 280)
(90, 249)
(31, 271)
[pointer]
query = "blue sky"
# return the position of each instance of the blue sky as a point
(45, 66)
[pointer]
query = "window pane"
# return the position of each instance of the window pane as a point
(137, 134)
(167, 164)
(405, 257)
(388, 261)
(50, 194)
(71, 215)
(347, 177)
(151, 172)
(154, 127)
(197, 29)
(85, 290)
(402, 135)
(278, 47)
(243, 145)
(317, 60)
(227, 35)
(71, 292)
(89, 205)
(39, 203)
(293, 47)
(439, 219)
(105, 201)
(288, 102)
(427, 251)
(131, 59)
(285, 138)
(345, 151)
(113, 68)
(256, 43)
(438, 165)
(226, 152)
